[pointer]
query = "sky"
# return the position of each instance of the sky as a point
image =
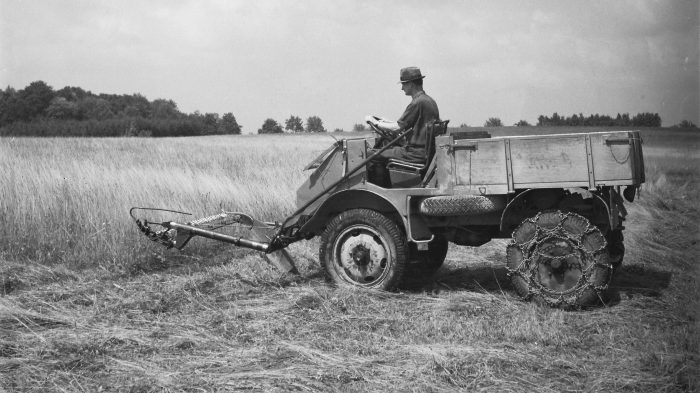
(340, 59)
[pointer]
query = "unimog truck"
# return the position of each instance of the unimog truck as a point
(558, 198)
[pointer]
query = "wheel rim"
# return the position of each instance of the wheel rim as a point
(361, 255)
(558, 265)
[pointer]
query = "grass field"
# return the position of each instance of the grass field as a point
(87, 304)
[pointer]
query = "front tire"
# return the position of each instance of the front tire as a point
(559, 259)
(364, 248)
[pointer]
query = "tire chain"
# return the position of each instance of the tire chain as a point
(527, 266)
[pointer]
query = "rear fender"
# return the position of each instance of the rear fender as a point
(530, 202)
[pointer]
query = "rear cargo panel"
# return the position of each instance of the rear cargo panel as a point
(504, 164)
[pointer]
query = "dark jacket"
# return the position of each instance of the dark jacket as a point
(418, 114)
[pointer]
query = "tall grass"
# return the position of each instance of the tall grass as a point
(67, 200)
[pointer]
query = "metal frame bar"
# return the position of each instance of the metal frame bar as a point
(589, 160)
(408, 225)
(509, 166)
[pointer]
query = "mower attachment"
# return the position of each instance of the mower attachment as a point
(230, 227)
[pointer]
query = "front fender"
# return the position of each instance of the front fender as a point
(353, 199)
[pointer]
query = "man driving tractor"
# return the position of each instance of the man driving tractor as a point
(421, 112)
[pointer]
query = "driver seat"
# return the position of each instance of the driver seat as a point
(405, 174)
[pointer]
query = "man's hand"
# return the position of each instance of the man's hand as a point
(383, 124)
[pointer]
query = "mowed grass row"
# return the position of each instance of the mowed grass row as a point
(217, 319)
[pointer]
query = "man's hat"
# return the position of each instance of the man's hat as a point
(410, 74)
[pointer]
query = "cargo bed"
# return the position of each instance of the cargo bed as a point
(505, 164)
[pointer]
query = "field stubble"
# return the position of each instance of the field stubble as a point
(87, 304)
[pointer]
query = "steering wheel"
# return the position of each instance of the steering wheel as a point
(379, 131)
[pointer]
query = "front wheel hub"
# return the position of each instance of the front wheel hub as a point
(362, 254)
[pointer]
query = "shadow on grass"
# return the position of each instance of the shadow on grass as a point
(479, 278)
(638, 280)
(628, 281)
(158, 259)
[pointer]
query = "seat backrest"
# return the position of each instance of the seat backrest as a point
(435, 128)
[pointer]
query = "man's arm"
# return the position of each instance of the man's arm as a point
(409, 117)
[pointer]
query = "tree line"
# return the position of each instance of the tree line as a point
(39, 110)
(645, 119)
(293, 124)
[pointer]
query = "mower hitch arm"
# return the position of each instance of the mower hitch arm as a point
(236, 241)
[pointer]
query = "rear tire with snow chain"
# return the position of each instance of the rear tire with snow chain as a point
(460, 205)
(559, 259)
(364, 248)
